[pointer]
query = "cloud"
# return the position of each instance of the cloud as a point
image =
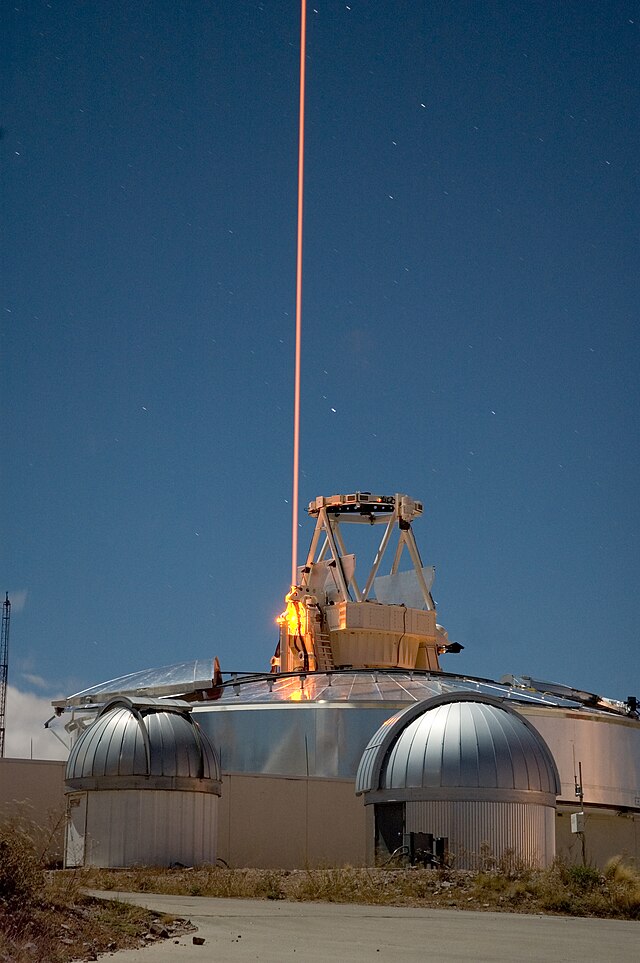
(18, 600)
(36, 680)
(25, 735)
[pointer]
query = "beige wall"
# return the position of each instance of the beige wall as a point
(275, 821)
(271, 821)
(607, 834)
(32, 790)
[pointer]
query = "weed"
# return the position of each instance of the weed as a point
(44, 916)
(486, 860)
(21, 876)
(582, 878)
(269, 886)
(506, 883)
(619, 872)
(490, 883)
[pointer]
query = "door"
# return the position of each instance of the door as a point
(389, 828)
(74, 845)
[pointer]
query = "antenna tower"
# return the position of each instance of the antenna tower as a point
(4, 666)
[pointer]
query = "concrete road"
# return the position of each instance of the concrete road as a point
(239, 930)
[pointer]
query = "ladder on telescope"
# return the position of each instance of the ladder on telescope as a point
(324, 655)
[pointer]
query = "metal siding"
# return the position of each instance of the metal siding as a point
(546, 773)
(517, 737)
(95, 762)
(87, 749)
(117, 736)
(128, 828)
(434, 748)
(75, 764)
(139, 763)
(155, 728)
(505, 775)
(414, 758)
(450, 774)
(162, 746)
(330, 736)
(487, 763)
(526, 755)
(460, 744)
(188, 752)
(530, 757)
(115, 746)
(179, 742)
(271, 740)
(469, 751)
(394, 770)
(541, 774)
(72, 762)
(250, 735)
(412, 762)
(475, 829)
(210, 761)
(192, 753)
(124, 751)
(397, 764)
(100, 747)
(607, 747)
(364, 778)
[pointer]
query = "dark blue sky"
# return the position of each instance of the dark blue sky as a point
(470, 312)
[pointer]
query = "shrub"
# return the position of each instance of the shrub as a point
(21, 876)
(583, 878)
(616, 871)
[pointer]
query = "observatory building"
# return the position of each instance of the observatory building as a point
(466, 768)
(357, 746)
(142, 785)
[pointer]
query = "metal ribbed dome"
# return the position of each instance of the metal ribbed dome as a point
(143, 744)
(461, 742)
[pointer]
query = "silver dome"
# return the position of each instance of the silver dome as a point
(463, 742)
(143, 744)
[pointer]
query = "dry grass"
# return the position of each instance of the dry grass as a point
(46, 918)
(506, 885)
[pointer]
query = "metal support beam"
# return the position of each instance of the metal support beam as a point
(407, 537)
(353, 583)
(339, 572)
(4, 667)
(376, 562)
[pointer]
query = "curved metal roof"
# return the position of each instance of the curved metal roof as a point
(178, 679)
(194, 680)
(143, 744)
(460, 741)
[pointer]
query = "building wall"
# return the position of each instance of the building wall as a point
(472, 826)
(606, 746)
(32, 791)
(277, 822)
(607, 835)
(327, 741)
(141, 827)
(270, 821)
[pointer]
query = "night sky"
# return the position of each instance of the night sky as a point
(470, 322)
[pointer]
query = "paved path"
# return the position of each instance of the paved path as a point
(239, 930)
